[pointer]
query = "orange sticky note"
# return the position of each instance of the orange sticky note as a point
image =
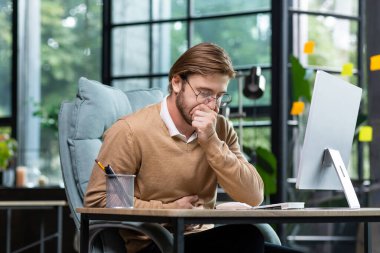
(297, 108)
(365, 134)
(347, 69)
(309, 47)
(375, 62)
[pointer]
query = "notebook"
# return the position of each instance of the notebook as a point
(244, 206)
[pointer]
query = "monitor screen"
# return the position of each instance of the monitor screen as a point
(330, 125)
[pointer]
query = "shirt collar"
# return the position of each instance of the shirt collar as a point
(173, 131)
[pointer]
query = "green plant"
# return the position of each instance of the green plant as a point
(301, 80)
(8, 148)
(266, 164)
(49, 116)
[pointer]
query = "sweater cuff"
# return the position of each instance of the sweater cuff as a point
(156, 204)
(171, 205)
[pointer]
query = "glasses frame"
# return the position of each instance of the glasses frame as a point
(217, 99)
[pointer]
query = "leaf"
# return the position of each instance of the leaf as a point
(4, 155)
(301, 87)
(266, 165)
(48, 116)
(266, 159)
(270, 186)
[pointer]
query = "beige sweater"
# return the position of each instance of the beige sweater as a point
(167, 168)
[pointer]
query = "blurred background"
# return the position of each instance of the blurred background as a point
(47, 45)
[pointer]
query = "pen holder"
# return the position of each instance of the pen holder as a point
(120, 191)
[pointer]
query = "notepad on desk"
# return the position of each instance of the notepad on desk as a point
(244, 206)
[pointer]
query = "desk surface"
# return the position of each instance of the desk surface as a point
(267, 213)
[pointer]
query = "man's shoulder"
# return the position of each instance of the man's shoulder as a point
(137, 121)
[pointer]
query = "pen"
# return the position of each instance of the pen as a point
(108, 169)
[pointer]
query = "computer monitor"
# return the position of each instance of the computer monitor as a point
(328, 137)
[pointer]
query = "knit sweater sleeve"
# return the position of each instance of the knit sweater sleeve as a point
(119, 151)
(153, 204)
(235, 174)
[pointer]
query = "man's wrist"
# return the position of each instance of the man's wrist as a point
(213, 142)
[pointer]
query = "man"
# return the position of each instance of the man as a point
(179, 150)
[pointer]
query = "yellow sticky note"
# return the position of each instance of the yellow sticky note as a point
(309, 47)
(297, 108)
(365, 134)
(375, 62)
(347, 69)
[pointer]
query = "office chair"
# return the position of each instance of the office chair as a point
(81, 127)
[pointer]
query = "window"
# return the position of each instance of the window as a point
(146, 37)
(7, 58)
(70, 48)
(61, 42)
(334, 27)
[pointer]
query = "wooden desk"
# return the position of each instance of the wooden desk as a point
(34, 205)
(179, 217)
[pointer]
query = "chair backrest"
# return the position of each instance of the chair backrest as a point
(81, 127)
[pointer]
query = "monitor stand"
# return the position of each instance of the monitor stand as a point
(333, 157)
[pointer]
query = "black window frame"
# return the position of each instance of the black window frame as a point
(108, 25)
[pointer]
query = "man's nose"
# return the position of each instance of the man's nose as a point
(212, 104)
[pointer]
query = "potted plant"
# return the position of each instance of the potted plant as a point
(8, 148)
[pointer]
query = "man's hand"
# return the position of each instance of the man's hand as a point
(204, 121)
(186, 202)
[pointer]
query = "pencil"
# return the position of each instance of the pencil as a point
(100, 164)
(107, 169)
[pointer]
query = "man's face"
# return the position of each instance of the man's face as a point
(187, 99)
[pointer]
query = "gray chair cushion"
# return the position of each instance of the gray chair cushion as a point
(97, 107)
(83, 153)
(141, 98)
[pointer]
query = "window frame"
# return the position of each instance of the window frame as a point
(360, 69)
(108, 26)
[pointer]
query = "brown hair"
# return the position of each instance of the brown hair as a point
(203, 59)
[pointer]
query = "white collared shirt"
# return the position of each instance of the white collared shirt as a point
(173, 131)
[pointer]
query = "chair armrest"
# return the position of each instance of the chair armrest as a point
(162, 237)
(268, 233)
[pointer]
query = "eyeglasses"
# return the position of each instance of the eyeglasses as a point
(205, 97)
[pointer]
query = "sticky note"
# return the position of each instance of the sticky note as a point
(347, 69)
(309, 47)
(365, 134)
(375, 62)
(297, 108)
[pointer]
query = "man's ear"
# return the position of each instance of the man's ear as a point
(176, 84)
